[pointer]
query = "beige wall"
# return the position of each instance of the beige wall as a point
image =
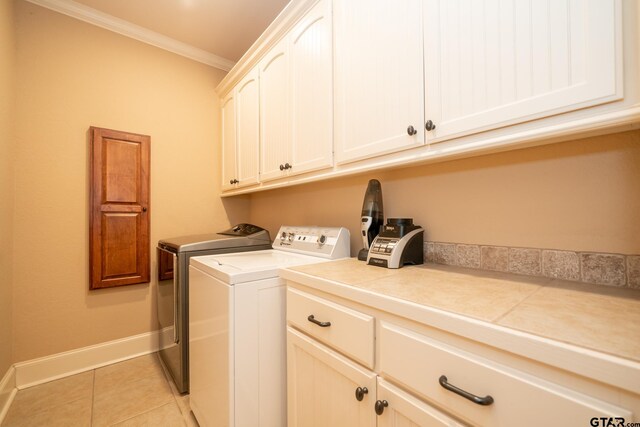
(72, 75)
(7, 63)
(580, 195)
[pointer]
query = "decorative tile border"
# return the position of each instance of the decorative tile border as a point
(588, 267)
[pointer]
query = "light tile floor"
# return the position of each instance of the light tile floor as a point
(136, 392)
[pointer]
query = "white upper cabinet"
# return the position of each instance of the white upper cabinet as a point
(247, 129)
(311, 47)
(493, 63)
(379, 93)
(296, 99)
(228, 141)
(275, 123)
(335, 87)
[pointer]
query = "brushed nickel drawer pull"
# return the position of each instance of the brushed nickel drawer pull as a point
(312, 319)
(485, 401)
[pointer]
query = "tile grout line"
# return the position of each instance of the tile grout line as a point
(150, 408)
(167, 377)
(497, 320)
(93, 393)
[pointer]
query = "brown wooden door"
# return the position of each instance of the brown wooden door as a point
(119, 217)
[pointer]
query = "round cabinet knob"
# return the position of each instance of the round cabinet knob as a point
(287, 166)
(322, 240)
(411, 131)
(231, 181)
(283, 236)
(429, 125)
(380, 405)
(360, 392)
(281, 167)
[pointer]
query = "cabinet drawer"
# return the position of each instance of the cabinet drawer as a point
(340, 327)
(519, 399)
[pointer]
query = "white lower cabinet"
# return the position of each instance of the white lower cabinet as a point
(417, 379)
(400, 409)
(322, 385)
(481, 391)
(326, 388)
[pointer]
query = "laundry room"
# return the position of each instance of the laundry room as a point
(221, 213)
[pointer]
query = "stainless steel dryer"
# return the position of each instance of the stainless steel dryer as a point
(173, 287)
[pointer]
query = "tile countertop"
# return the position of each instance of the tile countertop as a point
(603, 319)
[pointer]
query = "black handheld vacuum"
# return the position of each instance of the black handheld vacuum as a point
(372, 216)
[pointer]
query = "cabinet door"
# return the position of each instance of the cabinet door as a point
(275, 138)
(492, 63)
(321, 386)
(312, 90)
(228, 141)
(404, 410)
(379, 77)
(247, 131)
(119, 220)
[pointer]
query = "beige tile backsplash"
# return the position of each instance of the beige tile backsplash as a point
(588, 267)
(561, 265)
(525, 261)
(603, 269)
(468, 256)
(633, 271)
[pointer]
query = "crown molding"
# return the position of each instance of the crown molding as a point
(125, 28)
(289, 16)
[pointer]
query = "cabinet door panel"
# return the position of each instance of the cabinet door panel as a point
(247, 131)
(312, 90)
(274, 111)
(321, 386)
(228, 141)
(492, 63)
(405, 410)
(379, 77)
(119, 220)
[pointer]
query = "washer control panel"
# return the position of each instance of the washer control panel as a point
(327, 242)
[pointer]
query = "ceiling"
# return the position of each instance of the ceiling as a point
(225, 28)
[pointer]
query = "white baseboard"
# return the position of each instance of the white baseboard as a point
(56, 366)
(7, 391)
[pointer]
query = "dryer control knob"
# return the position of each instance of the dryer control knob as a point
(291, 236)
(283, 236)
(322, 240)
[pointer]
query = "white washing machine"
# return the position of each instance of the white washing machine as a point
(237, 327)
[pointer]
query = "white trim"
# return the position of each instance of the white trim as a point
(56, 366)
(8, 391)
(120, 26)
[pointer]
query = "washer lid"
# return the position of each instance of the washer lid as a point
(238, 236)
(249, 266)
